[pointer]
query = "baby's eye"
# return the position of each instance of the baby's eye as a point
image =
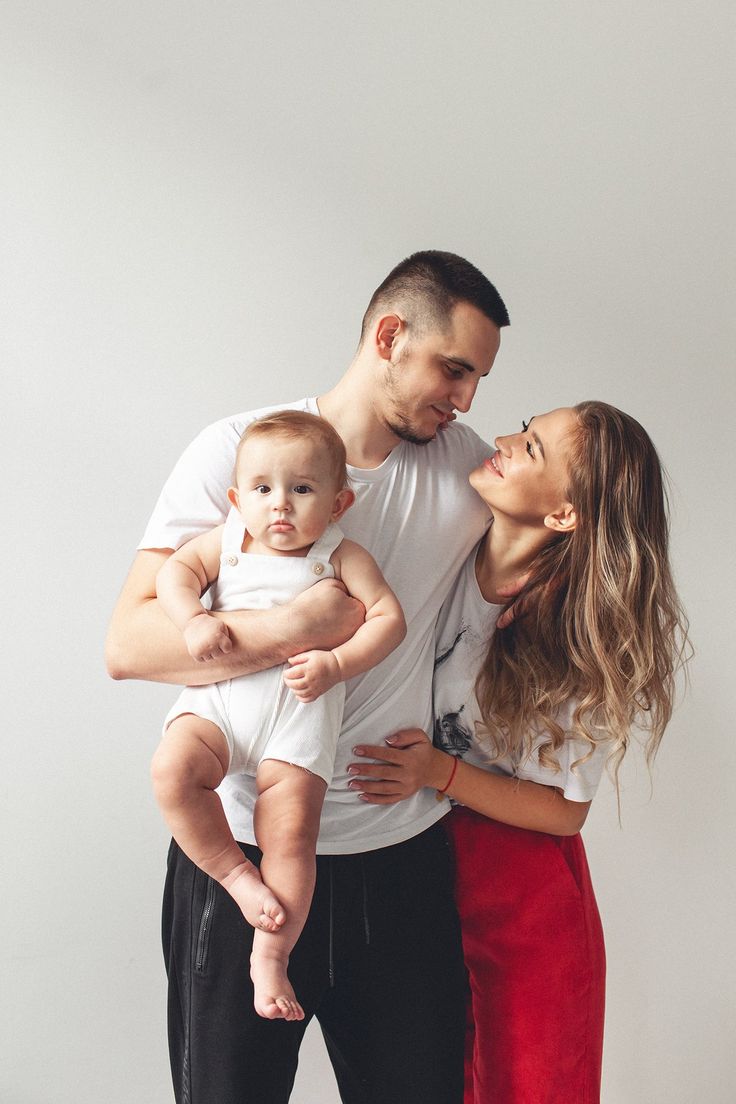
(302, 488)
(262, 488)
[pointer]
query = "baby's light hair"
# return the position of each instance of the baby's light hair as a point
(295, 424)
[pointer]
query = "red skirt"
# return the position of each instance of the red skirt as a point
(533, 946)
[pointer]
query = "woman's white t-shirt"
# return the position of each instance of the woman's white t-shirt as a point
(465, 626)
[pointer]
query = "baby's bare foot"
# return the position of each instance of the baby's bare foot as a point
(274, 997)
(254, 899)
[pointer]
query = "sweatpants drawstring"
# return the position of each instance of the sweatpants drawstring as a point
(366, 924)
(331, 966)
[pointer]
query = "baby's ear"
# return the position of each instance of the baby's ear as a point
(344, 499)
(233, 497)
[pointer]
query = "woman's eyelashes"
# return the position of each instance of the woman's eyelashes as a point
(524, 428)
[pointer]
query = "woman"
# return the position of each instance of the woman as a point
(526, 718)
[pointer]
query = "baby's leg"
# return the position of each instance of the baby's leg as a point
(286, 824)
(189, 764)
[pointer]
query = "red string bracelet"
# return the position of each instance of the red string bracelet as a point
(448, 783)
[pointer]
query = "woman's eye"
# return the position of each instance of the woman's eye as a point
(524, 426)
(529, 449)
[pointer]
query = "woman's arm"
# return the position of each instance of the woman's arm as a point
(411, 762)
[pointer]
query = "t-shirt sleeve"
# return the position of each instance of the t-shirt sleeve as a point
(194, 497)
(578, 780)
(474, 449)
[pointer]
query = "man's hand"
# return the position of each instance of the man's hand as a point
(325, 615)
(407, 763)
(207, 638)
(311, 674)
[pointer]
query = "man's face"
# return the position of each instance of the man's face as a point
(428, 379)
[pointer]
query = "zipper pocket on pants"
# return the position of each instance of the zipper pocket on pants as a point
(205, 925)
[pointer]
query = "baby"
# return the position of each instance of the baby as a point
(281, 724)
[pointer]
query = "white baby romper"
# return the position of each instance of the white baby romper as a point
(259, 717)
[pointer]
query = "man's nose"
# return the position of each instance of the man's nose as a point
(463, 393)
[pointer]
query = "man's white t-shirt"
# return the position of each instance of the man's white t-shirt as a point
(464, 629)
(419, 518)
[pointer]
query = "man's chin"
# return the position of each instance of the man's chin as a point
(405, 431)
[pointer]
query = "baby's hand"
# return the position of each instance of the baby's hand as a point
(311, 674)
(207, 638)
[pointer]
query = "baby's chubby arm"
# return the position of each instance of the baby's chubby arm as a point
(179, 586)
(312, 673)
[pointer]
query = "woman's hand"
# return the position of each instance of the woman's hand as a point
(407, 762)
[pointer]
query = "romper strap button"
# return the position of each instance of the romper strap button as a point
(318, 568)
(231, 561)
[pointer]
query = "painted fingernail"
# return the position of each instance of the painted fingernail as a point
(353, 770)
(353, 785)
(358, 751)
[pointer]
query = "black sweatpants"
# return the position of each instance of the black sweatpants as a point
(379, 963)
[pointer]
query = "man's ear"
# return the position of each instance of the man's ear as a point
(563, 520)
(387, 330)
(233, 497)
(344, 499)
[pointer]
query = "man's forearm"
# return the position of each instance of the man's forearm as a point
(146, 645)
(143, 643)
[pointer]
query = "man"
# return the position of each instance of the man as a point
(379, 961)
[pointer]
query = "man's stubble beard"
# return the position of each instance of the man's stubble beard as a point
(398, 423)
(404, 432)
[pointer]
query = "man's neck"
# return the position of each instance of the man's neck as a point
(350, 407)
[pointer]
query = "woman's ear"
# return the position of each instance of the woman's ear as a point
(563, 520)
(344, 499)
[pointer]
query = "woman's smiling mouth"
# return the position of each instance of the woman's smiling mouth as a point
(492, 464)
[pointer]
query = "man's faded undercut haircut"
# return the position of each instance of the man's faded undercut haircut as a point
(424, 288)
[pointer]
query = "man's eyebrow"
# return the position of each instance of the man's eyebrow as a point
(465, 364)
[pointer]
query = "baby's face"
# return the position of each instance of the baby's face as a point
(286, 492)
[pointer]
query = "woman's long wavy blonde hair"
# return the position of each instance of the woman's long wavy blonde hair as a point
(598, 622)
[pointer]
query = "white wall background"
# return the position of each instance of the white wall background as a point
(198, 200)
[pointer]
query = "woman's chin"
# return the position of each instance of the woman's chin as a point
(478, 480)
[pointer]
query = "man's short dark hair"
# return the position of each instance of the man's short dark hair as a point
(425, 288)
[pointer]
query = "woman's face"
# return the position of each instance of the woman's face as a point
(526, 478)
